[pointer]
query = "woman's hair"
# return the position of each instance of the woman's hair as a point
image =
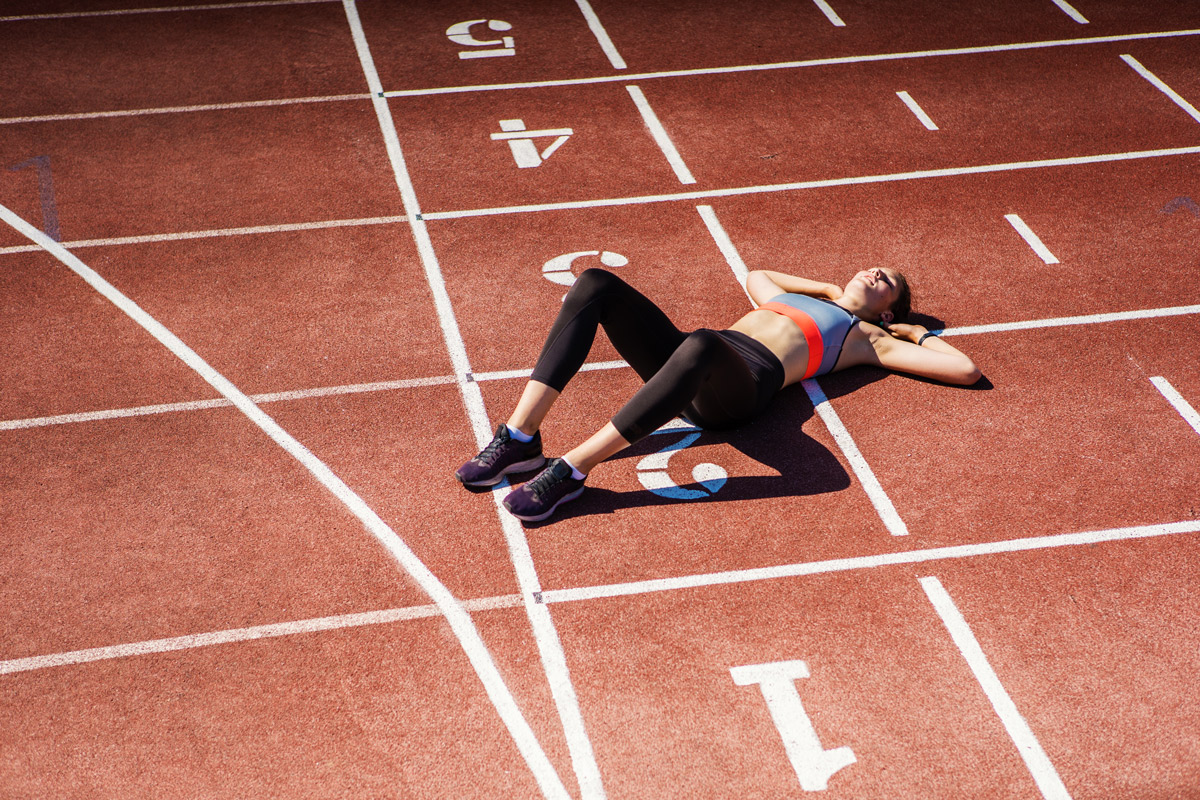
(901, 307)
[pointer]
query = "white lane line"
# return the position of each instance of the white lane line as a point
(302, 394)
(1039, 765)
(456, 616)
(1070, 11)
(545, 635)
(866, 476)
(1176, 399)
(525, 373)
(212, 234)
(1157, 83)
(816, 62)
(725, 245)
(193, 641)
(161, 10)
(830, 13)
(1031, 238)
(709, 194)
(581, 595)
(142, 112)
(917, 110)
(220, 402)
(597, 29)
(1087, 319)
(661, 138)
(865, 562)
(879, 499)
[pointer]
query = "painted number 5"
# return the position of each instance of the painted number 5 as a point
(652, 472)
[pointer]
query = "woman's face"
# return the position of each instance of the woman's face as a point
(876, 288)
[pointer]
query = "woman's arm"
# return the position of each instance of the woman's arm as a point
(764, 284)
(896, 348)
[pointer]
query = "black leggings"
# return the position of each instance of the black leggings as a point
(717, 379)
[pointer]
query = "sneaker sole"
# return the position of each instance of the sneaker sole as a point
(553, 508)
(520, 466)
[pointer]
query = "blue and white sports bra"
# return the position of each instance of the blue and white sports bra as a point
(824, 324)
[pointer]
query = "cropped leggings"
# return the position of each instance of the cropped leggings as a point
(716, 379)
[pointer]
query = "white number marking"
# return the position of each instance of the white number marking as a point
(460, 33)
(814, 764)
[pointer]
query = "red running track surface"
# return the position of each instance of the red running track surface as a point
(978, 592)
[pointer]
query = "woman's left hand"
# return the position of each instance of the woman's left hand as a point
(906, 332)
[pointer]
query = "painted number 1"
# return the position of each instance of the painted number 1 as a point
(814, 765)
(46, 193)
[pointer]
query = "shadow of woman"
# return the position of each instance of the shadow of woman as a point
(775, 440)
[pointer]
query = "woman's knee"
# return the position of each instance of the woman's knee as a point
(593, 282)
(698, 349)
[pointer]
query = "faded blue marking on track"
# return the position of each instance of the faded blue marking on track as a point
(1182, 204)
(46, 192)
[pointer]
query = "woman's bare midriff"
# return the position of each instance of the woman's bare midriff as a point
(779, 335)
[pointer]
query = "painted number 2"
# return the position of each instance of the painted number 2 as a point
(45, 192)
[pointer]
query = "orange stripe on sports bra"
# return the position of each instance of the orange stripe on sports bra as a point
(807, 326)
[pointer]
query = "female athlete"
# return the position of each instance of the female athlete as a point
(713, 379)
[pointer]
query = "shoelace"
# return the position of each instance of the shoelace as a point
(544, 481)
(490, 452)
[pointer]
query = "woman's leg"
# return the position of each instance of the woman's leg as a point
(640, 331)
(705, 375)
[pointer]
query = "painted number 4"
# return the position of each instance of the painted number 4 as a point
(521, 141)
(814, 764)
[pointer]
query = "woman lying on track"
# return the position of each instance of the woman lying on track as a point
(714, 379)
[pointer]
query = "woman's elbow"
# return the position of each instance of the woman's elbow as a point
(968, 374)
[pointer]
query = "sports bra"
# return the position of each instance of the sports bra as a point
(824, 324)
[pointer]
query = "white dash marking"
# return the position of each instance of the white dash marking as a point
(879, 499)
(828, 11)
(1031, 238)
(660, 135)
(1157, 83)
(583, 758)
(1043, 772)
(1070, 11)
(916, 109)
(606, 44)
(1176, 399)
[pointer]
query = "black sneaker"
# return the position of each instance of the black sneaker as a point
(504, 455)
(539, 497)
